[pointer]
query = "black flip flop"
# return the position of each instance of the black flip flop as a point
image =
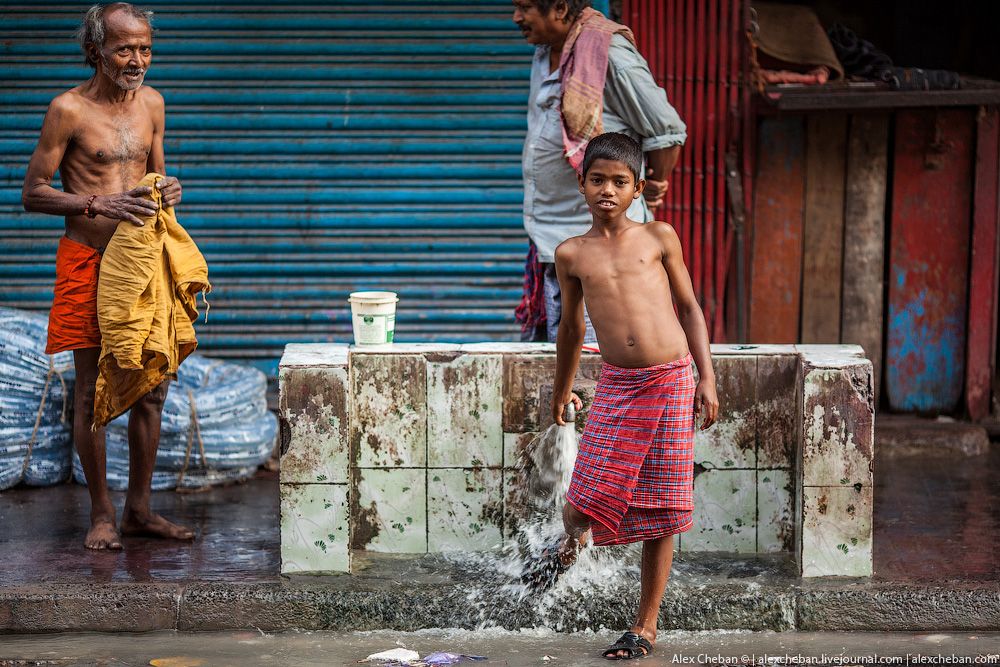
(635, 645)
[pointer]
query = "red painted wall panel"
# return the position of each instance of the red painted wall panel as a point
(929, 259)
(776, 256)
(983, 279)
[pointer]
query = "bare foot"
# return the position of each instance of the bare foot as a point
(102, 536)
(571, 546)
(153, 525)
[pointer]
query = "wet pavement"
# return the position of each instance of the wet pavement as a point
(937, 527)
(236, 527)
(937, 517)
(514, 649)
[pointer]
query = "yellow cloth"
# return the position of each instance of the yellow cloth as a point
(146, 307)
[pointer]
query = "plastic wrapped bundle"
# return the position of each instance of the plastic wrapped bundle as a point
(215, 429)
(36, 398)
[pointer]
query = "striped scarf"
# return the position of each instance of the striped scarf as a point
(583, 69)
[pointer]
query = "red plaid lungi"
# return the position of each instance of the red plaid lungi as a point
(634, 473)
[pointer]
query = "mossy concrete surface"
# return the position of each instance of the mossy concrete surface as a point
(406, 593)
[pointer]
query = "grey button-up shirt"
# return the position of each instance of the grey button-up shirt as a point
(554, 209)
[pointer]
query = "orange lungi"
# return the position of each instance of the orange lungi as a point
(73, 318)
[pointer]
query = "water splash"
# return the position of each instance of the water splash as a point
(546, 468)
(553, 455)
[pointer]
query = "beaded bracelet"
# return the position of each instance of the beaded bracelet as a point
(86, 211)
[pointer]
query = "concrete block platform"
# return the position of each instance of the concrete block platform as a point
(419, 448)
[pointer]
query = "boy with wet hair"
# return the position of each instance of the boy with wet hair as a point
(616, 147)
(634, 473)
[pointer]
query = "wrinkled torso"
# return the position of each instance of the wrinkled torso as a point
(107, 154)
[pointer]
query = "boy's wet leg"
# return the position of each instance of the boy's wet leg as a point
(657, 559)
(103, 533)
(143, 441)
(577, 526)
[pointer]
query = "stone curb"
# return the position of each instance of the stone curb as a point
(900, 607)
(340, 604)
(89, 607)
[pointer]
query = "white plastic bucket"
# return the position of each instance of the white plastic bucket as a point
(374, 317)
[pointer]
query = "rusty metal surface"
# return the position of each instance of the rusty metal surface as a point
(779, 198)
(741, 102)
(983, 280)
(735, 245)
(693, 51)
(929, 260)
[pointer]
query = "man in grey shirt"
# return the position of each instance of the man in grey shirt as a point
(554, 209)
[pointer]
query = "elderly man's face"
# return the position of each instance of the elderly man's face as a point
(538, 28)
(127, 50)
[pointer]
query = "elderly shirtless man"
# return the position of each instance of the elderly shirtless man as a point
(103, 136)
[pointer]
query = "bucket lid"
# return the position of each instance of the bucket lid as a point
(373, 297)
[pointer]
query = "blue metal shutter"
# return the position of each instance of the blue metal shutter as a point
(324, 147)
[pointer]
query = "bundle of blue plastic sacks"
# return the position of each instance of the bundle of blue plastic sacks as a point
(224, 438)
(36, 401)
(227, 435)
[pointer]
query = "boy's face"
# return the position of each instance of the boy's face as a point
(610, 188)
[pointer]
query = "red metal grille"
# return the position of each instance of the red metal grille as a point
(694, 50)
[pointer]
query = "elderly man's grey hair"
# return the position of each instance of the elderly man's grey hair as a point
(91, 31)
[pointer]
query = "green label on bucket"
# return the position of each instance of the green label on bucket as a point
(373, 329)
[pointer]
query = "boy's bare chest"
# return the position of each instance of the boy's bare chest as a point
(601, 264)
